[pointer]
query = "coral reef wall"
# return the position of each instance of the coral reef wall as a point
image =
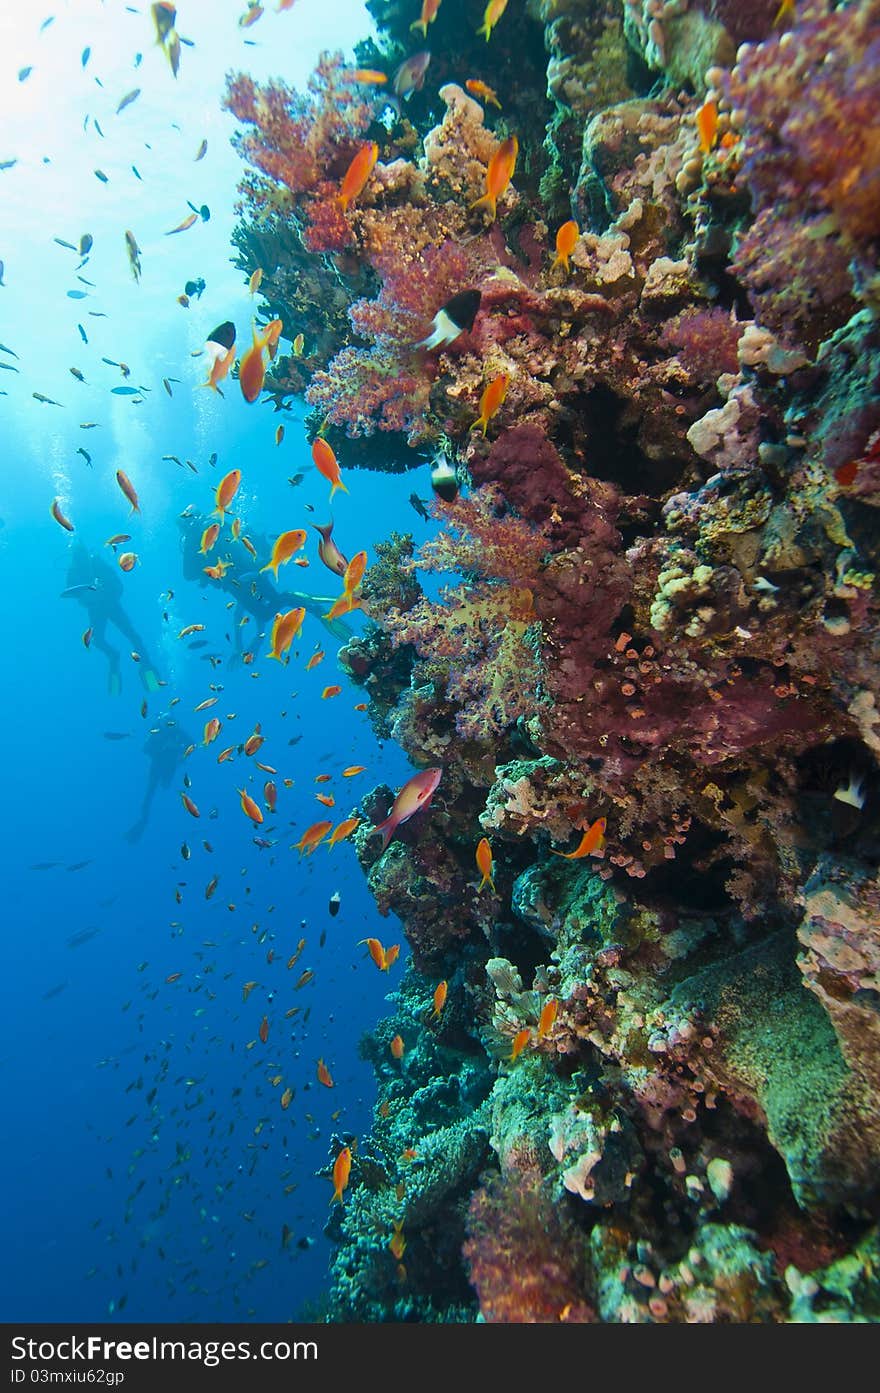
(653, 685)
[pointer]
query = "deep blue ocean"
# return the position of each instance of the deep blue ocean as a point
(148, 1168)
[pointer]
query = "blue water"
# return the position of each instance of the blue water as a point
(172, 1208)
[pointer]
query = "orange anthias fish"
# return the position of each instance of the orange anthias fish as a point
(218, 570)
(707, 125)
(518, 1044)
(354, 572)
(499, 175)
(226, 491)
(220, 364)
(549, 1012)
(416, 793)
(315, 659)
(264, 1029)
(327, 465)
(270, 793)
(284, 548)
(341, 1172)
(383, 960)
(397, 1047)
(482, 91)
(345, 829)
(566, 241)
(491, 401)
(331, 691)
(128, 489)
(353, 769)
(211, 731)
(60, 517)
(428, 15)
(249, 807)
(440, 993)
(324, 1075)
(284, 631)
(591, 843)
(397, 1242)
(369, 77)
(209, 538)
(484, 864)
(252, 369)
(357, 174)
(493, 12)
(312, 837)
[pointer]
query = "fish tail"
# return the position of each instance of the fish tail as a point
(342, 200)
(484, 29)
(270, 566)
(432, 340)
(387, 828)
(420, 24)
(335, 487)
(487, 201)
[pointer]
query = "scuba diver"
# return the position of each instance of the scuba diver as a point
(98, 588)
(254, 593)
(164, 747)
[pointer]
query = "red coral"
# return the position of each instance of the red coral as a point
(524, 1261)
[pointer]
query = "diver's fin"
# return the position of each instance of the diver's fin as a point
(114, 683)
(151, 681)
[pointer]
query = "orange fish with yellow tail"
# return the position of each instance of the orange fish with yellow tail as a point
(209, 538)
(499, 175)
(312, 837)
(484, 864)
(482, 91)
(707, 125)
(61, 518)
(345, 829)
(327, 465)
(357, 174)
(226, 491)
(128, 489)
(252, 368)
(566, 241)
(592, 843)
(284, 631)
(492, 401)
(341, 1172)
(249, 807)
(220, 346)
(440, 993)
(428, 15)
(518, 1044)
(324, 1075)
(491, 15)
(547, 1018)
(283, 549)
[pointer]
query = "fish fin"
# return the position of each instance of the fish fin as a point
(487, 201)
(420, 24)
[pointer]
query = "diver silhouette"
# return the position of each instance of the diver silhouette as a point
(95, 585)
(254, 593)
(164, 748)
